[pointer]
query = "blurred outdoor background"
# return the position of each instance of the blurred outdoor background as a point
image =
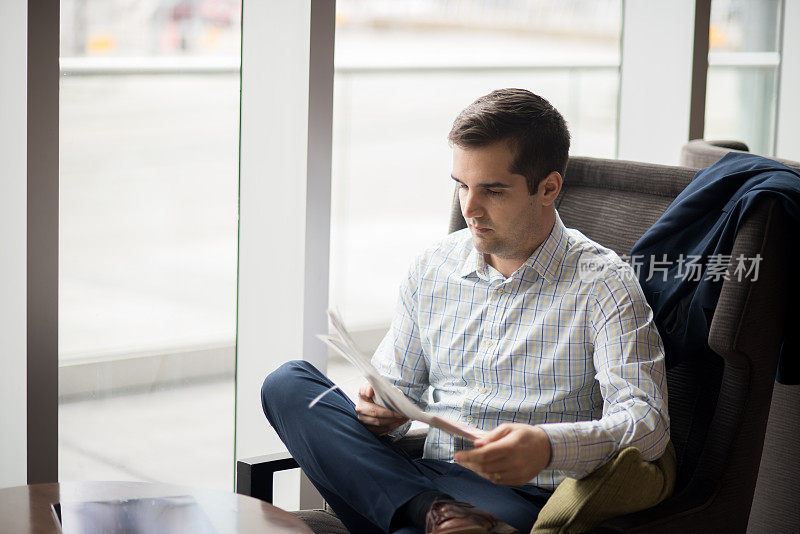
(149, 185)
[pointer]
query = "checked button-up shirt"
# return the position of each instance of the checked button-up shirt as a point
(566, 343)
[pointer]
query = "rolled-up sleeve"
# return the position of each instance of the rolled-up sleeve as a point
(629, 362)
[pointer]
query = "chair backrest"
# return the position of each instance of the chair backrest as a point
(710, 397)
(700, 153)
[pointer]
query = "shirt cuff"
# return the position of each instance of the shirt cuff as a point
(564, 445)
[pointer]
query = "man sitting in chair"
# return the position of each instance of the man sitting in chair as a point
(518, 326)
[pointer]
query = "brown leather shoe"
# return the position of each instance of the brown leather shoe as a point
(454, 517)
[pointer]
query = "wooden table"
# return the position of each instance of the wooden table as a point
(26, 509)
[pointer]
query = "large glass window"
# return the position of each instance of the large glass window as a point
(403, 70)
(744, 57)
(148, 198)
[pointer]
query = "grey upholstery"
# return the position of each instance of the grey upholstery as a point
(322, 521)
(719, 404)
(701, 153)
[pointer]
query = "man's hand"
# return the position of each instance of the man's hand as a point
(376, 418)
(511, 454)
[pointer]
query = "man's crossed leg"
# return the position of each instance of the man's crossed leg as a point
(371, 484)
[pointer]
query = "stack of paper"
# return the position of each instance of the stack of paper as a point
(385, 393)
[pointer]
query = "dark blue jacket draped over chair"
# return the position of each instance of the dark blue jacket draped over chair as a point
(702, 222)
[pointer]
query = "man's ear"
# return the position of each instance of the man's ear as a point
(550, 187)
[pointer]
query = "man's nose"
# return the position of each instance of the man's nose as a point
(471, 206)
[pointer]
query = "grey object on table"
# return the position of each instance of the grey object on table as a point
(28, 509)
(718, 406)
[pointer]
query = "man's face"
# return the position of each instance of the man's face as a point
(506, 221)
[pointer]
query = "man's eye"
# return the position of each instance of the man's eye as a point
(493, 193)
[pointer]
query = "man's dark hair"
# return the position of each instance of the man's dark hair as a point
(536, 132)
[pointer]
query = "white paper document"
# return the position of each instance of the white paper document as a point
(385, 393)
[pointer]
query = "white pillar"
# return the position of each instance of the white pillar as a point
(284, 199)
(13, 214)
(656, 79)
(788, 123)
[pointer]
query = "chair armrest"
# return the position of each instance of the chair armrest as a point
(254, 475)
(413, 442)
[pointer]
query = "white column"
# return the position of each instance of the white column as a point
(13, 214)
(284, 200)
(656, 76)
(788, 123)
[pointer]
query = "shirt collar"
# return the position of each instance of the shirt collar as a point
(545, 260)
(473, 263)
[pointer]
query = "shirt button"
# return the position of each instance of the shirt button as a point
(469, 419)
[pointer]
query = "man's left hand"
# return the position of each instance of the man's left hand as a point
(511, 454)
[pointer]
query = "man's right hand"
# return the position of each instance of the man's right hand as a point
(376, 418)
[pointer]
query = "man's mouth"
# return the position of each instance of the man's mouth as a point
(480, 229)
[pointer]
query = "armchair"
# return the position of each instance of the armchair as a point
(718, 405)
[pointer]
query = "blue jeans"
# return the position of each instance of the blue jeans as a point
(364, 478)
